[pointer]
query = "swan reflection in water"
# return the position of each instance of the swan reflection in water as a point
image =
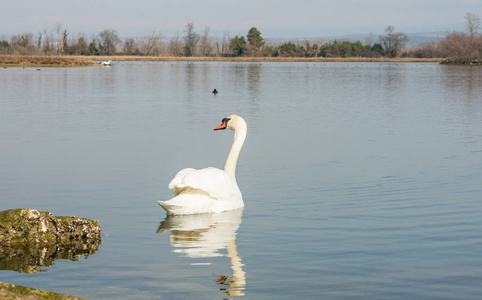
(205, 235)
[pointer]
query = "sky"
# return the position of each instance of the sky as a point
(273, 18)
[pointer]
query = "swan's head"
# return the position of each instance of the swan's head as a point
(232, 122)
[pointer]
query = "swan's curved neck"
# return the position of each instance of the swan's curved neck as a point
(232, 160)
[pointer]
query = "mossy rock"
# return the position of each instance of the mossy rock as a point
(26, 225)
(30, 239)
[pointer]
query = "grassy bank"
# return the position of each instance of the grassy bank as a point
(78, 61)
(12, 291)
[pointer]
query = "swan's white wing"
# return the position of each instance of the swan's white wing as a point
(214, 182)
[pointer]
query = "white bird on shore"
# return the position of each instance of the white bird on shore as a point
(209, 190)
(106, 63)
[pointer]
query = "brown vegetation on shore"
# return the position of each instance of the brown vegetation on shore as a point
(44, 61)
(78, 61)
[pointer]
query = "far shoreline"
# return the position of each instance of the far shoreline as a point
(261, 59)
(80, 61)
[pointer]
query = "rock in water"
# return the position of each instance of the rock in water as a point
(30, 239)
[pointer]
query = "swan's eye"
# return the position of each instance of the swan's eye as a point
(225, 120)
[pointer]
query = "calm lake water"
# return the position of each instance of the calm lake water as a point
(360, 180)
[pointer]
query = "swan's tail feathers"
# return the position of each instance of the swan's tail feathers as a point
(169, 208)
(188, 204)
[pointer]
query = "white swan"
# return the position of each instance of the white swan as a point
(106, 63)
(209, 190)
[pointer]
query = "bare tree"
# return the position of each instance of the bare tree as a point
(312, 49)
(461, 46)
(39, 40)
(206, 45)
(191, 40)
(175, 46)
(369, 39)
(455, 45)
(48, 47)
(58, 29)
(23, 43)
(130, 46)
(393, 42)
(425, 50)
(473, 24)
(152, 44)
(108, 42)
(226, 47)
(216, 44)
(464, 46)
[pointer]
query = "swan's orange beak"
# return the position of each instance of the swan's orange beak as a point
(222, 126)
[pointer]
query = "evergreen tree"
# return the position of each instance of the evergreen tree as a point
(238, 44)
(255, 39)
(93, 49)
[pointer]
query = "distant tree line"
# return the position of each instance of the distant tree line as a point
(59, 41)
